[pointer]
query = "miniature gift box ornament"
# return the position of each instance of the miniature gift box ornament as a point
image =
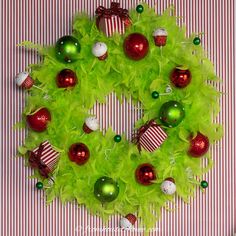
(112, 20)
(150, 136)
(44, 158)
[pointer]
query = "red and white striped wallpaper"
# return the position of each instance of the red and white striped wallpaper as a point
(23, 208)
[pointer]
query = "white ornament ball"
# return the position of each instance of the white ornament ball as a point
(168, 187)
(99, 50)
(92, 123)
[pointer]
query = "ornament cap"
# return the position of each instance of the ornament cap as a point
(170, 179)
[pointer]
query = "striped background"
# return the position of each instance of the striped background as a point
(23, 209)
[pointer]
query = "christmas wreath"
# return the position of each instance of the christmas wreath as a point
(153, 62)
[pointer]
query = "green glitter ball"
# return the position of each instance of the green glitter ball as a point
(204, 184)
(106, 189)
(67, 49)
(171, 114)
(196, 41)
(39, 185)
(155, 94)
(117, 138)
(139, 9)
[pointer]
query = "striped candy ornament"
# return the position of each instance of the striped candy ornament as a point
(152, 138)
(49, 156)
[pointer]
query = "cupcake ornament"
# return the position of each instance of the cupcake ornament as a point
(99, 50)
(160, 37)
(91, 124)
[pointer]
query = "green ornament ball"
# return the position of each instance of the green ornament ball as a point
(67, 49)
(155, 94)
(196, 41)
(171, 114)
(204, 184)
(117, 138)
(139, 8)
(39, 185)
(106, 189)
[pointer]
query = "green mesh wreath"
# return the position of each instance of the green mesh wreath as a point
(138, 79)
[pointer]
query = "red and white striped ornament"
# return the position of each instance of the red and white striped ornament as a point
(48, 157)
(152, 138)
(128, 221)
(24, 80)
(112, 20)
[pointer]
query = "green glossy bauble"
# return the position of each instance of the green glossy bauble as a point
(139, 9)
(67, 49)
(204, 184)
(155, 94)
(39, 185)
(196, 41)
(106, 189)
(171, 113)
(117, 138)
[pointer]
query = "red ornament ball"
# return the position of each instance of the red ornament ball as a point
(199, 145)
(145, 174)
(66, 78)
(180, 77)
(39, 119)
(79, 153)
(136, 46)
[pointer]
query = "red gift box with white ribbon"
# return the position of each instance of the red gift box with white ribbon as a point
(44, 158)
(112, 20)
(150, 136)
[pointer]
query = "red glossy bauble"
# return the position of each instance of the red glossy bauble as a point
(145, 174)
(39, 119)
(199, 145)
(79, 153)
(66, 78)
(180, 77)
(136, 46)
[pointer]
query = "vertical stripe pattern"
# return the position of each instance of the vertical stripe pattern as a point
(23, 208)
